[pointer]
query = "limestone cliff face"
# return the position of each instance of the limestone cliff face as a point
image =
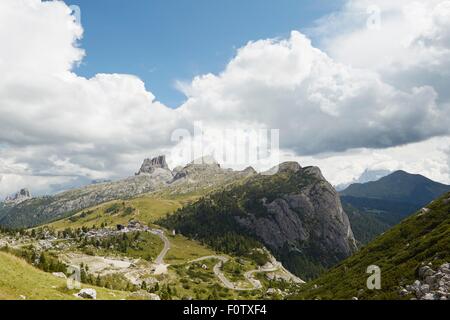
(19, 197)
(151, 165)
(293, 211)
(311, 217)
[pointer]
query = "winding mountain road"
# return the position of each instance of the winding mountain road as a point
(226, 282)
(160, 233)
(161, 267)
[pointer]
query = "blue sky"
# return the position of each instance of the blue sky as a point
(162, 41)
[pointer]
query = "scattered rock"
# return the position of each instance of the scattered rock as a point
(404, 292)
(425, 288)
(425, 272)
(435, 285)
(429, 296)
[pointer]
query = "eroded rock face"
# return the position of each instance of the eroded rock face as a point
(19, 197)
(150, 165)
(311, 217)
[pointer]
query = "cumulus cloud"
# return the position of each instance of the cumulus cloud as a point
(293, 86)
(56, 124)
(409, 46)
(428, 158)
(364, 89)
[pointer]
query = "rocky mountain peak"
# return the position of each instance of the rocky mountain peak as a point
(200, 169)
(150, 165)
(19, 197)
(314, 171)
(289, 167)
(250, 170)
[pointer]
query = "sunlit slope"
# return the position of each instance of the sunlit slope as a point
(146, 209)
(421, 238)
(19, 280)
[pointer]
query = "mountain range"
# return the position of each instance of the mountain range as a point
(376, 206)
(283, 225)
(293, 211)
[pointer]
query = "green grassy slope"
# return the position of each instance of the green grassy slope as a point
(423, 237)
(145, 209)
(366, 226)
(18, 278)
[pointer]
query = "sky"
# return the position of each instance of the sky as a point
(349, 86)
(164, 41)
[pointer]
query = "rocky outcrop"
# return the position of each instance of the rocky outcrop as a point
(151, 165)
(433, 285)
(311, 216)
(19, 197)
(294, 212)
(87, 294)
(199, 169)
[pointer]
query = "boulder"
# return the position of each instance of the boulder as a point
(87, 294)
(430, 280)
(425, 289)
(429, 296)
(404, 292)
(425, 272)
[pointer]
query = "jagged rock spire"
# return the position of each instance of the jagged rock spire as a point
(150, 165)
(21, 196)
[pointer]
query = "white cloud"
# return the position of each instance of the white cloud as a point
(429, 158)
(293, 86)
(365, 89)
(410, 48)
(56, 124)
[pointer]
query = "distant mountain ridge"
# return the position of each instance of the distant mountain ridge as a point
(154, 175)
(374, 207)
(399, 186)
(366, 176)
